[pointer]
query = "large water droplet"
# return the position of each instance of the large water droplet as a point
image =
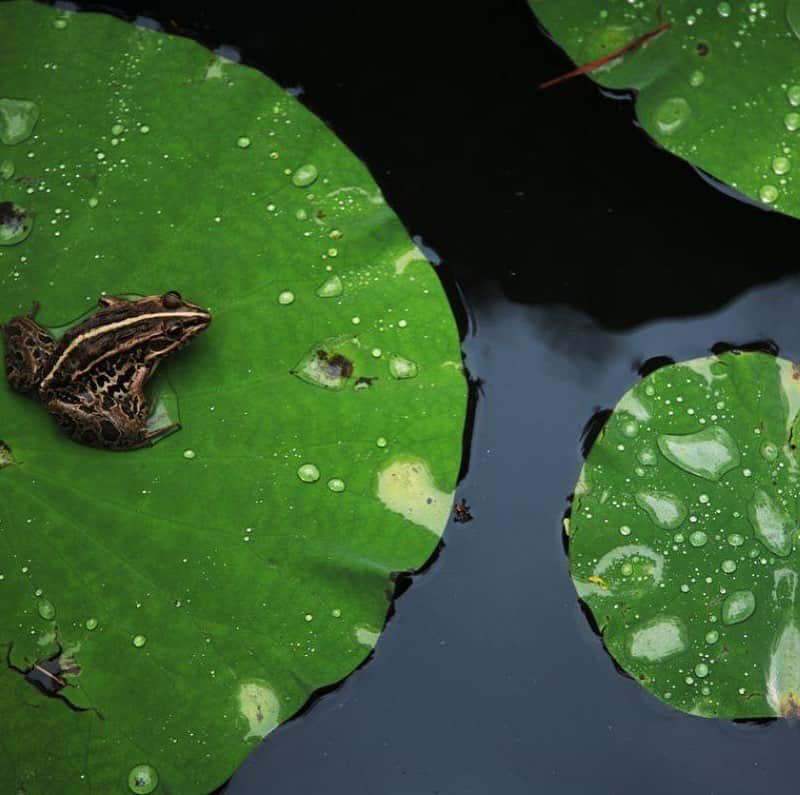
(709, 453)
(647, 457)
(661, 638)
(401, 368)
(712, 636)
(308, 473)
(672, 114)
(139, 641)
(325, 365)
(91, 624)
(696, 78)
(769, 451)
(330, 288)
(18, 117)
(698, 538)
(630, 428)
(15, 223)
(781, 165)
(336, 484)
(664, 509)
(773, 526)
(46, 609)
(143, 779)
(724, 9)
(701, 670)
(768, 194)
(738, 607)
(305, 176)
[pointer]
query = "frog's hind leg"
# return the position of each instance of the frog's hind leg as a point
(85, 419)
(28, 351)
(119, 424)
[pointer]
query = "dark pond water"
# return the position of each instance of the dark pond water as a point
(580, 250)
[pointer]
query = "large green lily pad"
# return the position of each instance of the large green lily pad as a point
(193, 595)
(720, 87)
(684, 534)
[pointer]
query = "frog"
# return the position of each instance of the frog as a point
(92, 379)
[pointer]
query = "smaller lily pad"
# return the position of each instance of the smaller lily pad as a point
(684, 535)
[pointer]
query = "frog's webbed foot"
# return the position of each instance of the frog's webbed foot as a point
(107, 301)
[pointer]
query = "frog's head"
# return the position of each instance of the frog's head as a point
(174, 321)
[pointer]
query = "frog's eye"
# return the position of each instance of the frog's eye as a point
(172, 300)
(174, 331)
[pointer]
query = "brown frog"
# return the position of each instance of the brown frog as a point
(92, 379)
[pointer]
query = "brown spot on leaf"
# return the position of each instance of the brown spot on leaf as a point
(790, 707)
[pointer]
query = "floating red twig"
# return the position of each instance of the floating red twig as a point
(590, 67)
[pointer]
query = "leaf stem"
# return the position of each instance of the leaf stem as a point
(590, 67)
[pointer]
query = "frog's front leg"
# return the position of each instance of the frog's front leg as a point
(28, 350)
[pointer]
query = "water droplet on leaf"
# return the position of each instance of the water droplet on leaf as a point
(15, 223)
(336, 484)
(773, 526)
(142, 780)
(781, 165)
(768, 194)
(18, 117)
(286, 297)
(664, 509)
(672, 114)
(305, 175)
(46, 609)
(330, 288)
(325, 365)
(308, 473)
(709, 453)
(793, 16)
(738, 607)
(698, 538)
(769, 451)
(139, 641)
(402, 368)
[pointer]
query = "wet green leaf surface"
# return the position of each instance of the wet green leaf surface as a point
(720, 87)
(684, 531)
(185, 599)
